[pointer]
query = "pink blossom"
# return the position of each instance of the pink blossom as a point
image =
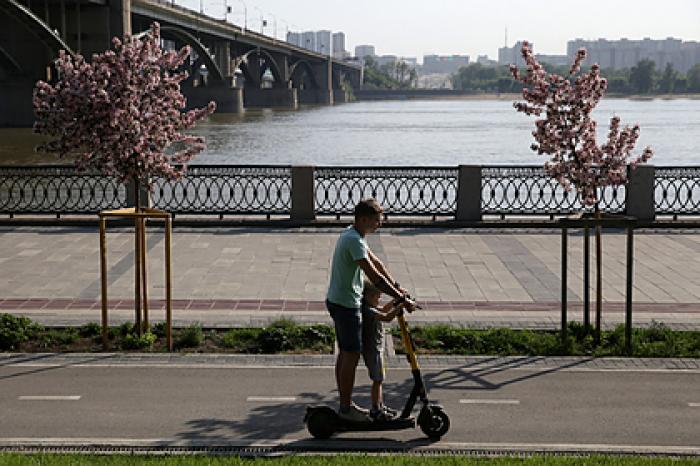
(567, 133)
(121, 112)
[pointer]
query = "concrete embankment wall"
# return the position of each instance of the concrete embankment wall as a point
(413, 94)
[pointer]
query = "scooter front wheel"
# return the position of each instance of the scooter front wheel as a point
(434, 423)
(321, 422)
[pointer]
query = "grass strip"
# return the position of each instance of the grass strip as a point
(285, 336)
(657, 341)
(340, 460)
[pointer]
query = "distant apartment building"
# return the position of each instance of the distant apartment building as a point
(308, 40)
(484, 60)
(386, 60)
(444, 64)
(323, 42)
(294, 38)
(512, 55)
(362, 51)
(339, 44)
(554, 60)
(626, 53)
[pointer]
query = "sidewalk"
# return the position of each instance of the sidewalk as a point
(250, 276)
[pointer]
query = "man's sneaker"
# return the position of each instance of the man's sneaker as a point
(360, 409)
(354, 414)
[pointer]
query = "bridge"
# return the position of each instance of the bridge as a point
(231, 65)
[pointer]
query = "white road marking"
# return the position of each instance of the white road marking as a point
(265, 399)
(49, 398)
(694, 405)
(477, 401)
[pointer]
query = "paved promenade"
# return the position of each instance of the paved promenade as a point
(241, 276)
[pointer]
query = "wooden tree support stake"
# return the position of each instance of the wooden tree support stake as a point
(140, 218)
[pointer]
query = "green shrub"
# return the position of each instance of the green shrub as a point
(133, 341)
(16, 330)
(274, 340)
(126, 328)
(243, 339)
(89, 330)
(59, 337)
(158, 329)
(190, 337)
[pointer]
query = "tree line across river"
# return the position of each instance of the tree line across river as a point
(644, 78)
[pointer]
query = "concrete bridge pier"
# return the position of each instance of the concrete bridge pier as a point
(340, 96)
(270, 98)
(228, 99)
(316, 97)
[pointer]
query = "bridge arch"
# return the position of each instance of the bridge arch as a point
(35, 26)
(9, 64)
(269, 61)
(300, 68)
(203, 54)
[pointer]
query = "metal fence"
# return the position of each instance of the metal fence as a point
(403, 191)
(677, 190)
(226, 189)
(528, 190)
(400, 190)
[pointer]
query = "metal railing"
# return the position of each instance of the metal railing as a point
(55, 189)
(528, 190)
(403, 191)
(677, 190)
(227, 189)
(400, 190)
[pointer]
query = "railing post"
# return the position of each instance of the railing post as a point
(303, 206)
(469, 193)
(640, 193)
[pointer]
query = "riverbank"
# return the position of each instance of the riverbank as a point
(449, 94)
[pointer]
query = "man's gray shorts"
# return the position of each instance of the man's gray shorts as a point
(348, 327)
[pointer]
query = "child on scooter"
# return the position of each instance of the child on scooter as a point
(373, 346)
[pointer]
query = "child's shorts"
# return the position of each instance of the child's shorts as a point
(374, 360)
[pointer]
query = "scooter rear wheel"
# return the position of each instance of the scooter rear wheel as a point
(322, 423)
(435, 424)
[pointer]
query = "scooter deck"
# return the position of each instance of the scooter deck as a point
(394, 424)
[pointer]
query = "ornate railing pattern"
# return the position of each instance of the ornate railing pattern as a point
(57, 190)
(677, 190)
(528, 190)
(400, 190)
(267, 190)
(227, 189)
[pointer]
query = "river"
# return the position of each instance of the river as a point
(423, 133)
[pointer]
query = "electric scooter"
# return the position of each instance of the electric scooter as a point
(323, 421)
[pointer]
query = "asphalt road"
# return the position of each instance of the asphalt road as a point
(489, 404)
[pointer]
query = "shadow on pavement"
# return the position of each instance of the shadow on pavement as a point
(279, 420)
(46, 359)
(467, 377)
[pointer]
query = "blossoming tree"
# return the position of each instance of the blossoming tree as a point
(122, 114)
(566, 132)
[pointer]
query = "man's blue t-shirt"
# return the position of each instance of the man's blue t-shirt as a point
(346, 284)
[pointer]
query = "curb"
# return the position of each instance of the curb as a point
(232, 361)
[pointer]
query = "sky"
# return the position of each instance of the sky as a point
(413, 28)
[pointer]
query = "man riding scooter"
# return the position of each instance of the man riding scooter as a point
(352, 262)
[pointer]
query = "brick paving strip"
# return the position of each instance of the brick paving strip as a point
(225, 313)
(291, 306)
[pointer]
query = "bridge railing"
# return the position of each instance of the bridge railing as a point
(464, 193)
